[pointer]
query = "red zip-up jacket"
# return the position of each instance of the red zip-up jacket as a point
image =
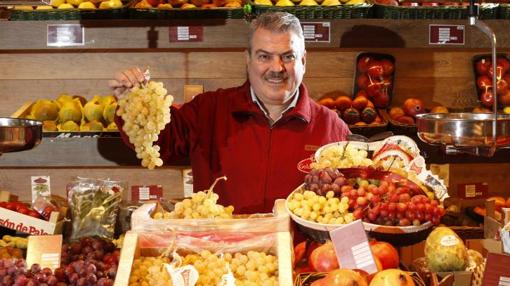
(225, 133)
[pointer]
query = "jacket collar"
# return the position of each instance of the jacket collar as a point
(243, 104)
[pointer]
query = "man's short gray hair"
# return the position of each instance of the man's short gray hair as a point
(279, 22)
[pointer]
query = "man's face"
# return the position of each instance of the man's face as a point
(276, 65)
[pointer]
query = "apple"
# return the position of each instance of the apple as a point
(362, 81)
(388, 67)
(430, 4)
(439, 109)
(374, 89)
(323, 258)
(413, 106)
(396, 112)
(487, 98)
(482, 67)
(363, 63)
(410, 4)
(483, 82)
(386, 253)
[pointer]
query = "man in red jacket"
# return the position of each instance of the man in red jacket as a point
(254, 134)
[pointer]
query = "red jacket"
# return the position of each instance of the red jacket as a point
(225, 133)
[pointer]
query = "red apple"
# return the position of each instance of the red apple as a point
(482, 67)
(386, 253)
(388, 67)
(413, 106)
(483, 82)
(362, 81)
(323, 258)
(363, 63)
(430, 4)
(410, 4)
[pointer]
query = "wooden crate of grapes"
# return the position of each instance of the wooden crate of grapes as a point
(213, 247)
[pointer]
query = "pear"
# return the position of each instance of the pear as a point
(93, 110)
(87, 5)
(56, 3)
(284, 3)
(112, 127)
(65, 6)
(107, 99)
(44, 7)
(23, 7)
(263, 2)
(71, 111)
(49, 126)
(308, 3)
(70, 126)
(75, 3)
(109, 112)
(63, 97)
(92, 126)
(330, 3)
(355, 2)
(110, 4)
(45, 109)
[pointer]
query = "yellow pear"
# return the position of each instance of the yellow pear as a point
(93, 110)
(75, 3)
(263, 2)
(93, 125)
(110, 4)
(112, 127)
(68, 126)
(506, 110)
(23, 7)
(56, 3)
(63, 97)
(71, 111)
(355, 2)
(188, 6)
(109, 112)
(330, 3)
(44, 109)
(44, 7)
(87, 5)
(308, 3)
(284, 3)
(107, 99)
(65, 6)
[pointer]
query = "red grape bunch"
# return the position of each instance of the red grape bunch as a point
(321, 181)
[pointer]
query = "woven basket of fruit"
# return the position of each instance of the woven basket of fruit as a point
(307, 279)
(413, 11)
(70, 10)
(181, 9)
(346, 11)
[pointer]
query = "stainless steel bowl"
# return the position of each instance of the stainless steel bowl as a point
(19, 134)
(463, 129)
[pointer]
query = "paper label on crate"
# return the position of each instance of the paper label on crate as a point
(40, 187)
(187, 181)
(473, 190)
(351, 247)
(182, 276)
(497, 272)
(146, 193)
(44, 250)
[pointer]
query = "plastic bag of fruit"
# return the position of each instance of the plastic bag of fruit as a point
(216, 257)
(94, 205)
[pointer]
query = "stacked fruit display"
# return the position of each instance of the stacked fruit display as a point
(374, 78)
(308, 2)
(484, 71)
(74, 113)
(412, 106)
(72, 4)
(188, 4)
(384, 201)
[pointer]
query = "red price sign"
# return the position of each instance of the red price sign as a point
(497, 272)
(446, 34)
(316, 31)
(146, 193)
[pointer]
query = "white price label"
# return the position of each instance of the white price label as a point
(65, 35)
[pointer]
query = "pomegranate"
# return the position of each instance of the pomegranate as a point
(375, 69)
(388, 67)
(413, 106)
(503, 63)
(363, 64)
(342, 277)
(483, 82)
(392, 277)
(362, 81)
(487, 98)
(405, 119)
(323, 258)
(482, 67)
(386, 253)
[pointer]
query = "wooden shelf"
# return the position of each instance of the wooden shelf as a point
(150, 35)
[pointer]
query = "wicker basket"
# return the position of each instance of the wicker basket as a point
(178, 13)
(306, 279)
(487, 11)
(320, 12)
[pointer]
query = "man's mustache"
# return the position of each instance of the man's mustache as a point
(276, 75)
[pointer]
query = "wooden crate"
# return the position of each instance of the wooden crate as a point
(282, 248)
(31, 225)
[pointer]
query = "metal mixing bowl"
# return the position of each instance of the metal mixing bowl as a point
(463, 129)
(19, 134)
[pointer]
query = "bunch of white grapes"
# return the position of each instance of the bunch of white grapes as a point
(322, 209)
(145, 111)
(200, 205)
(253, 268)
(342, 157)
(150, 271)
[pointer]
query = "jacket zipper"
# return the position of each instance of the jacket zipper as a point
(269, 163)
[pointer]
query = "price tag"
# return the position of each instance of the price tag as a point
(40, 187)
(497, 272)
(65, 35)
(44, 250)
(186, 33)
(187, 181)
(440, 34)
(317, 31)
(146, 193)
(352, 248)
(473, 190)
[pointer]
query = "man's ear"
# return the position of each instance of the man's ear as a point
(303, 59)
(247, 54)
